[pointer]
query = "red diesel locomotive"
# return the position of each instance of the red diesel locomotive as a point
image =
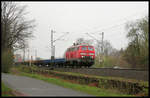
(80, 55)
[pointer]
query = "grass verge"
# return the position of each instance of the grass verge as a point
(5, 90)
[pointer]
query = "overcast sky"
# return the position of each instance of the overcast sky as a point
(79, 18)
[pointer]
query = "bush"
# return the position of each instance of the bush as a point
(7, 60)
(110, 61)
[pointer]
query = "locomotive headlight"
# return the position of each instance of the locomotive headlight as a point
(91, 53)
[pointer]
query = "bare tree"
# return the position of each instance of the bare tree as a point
(107, 48)
(16, 29)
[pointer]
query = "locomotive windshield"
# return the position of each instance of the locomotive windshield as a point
(87, 48)
(84, 48)
(90, 48)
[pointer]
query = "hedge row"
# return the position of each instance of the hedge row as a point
(127, 86)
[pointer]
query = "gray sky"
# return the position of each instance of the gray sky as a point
(79, 18)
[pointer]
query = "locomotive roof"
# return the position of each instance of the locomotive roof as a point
(80, 45)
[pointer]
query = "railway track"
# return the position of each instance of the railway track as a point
(138, 74)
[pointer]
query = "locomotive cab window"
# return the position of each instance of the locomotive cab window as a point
(90, 48)
(71, 49)
(76, 48)
(68, 49)
(84, 48)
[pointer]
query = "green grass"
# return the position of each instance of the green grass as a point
(83, 88)
(4, 88)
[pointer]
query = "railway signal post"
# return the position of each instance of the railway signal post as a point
(53, 41)
(102, 47)
(52, 46)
